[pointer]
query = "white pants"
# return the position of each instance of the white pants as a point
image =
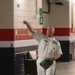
(42, 71)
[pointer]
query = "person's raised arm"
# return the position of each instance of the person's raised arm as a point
(29, 27)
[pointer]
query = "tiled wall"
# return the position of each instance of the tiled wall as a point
(27, 10)
(24, 41)
(12, 14)
(14, 34)
(24, 34)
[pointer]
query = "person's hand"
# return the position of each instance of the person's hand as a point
(25, 22)
(29, 27)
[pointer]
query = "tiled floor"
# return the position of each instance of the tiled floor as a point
(65, 68)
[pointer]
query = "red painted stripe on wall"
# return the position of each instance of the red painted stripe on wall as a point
(22, 34)
(25, 31)
(60, 31)
(22, 31)
(15, 34)
(6, 34)
(23, 37)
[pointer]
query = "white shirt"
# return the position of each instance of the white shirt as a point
(47, 46)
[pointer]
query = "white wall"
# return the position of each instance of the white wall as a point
(26, 11)
(74, 13)
(58, 16)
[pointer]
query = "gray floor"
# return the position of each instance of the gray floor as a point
(65, 68)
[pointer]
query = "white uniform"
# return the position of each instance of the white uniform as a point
(46, 49)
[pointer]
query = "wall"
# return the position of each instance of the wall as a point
(27, 10)
(15, 38)
(6, 14)
(11, 20)
(6, 32)
(6, 20)
(60, 18)
(74, 15)
(23, 40)
(74, 27)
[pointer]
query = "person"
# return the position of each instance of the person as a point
(48, 47)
